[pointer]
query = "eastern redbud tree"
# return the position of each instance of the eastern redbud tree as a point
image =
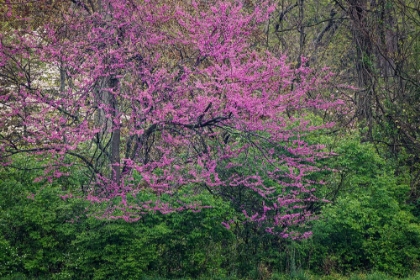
(152, 97)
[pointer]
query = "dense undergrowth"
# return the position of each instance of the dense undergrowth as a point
(368, 226)
(301, 275)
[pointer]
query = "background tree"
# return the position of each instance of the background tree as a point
(372, 45)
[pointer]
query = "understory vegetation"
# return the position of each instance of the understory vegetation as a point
(367, 230)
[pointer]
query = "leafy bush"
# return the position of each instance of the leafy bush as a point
(45, 236)
(369, 226)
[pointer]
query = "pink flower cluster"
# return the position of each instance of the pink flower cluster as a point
(177, 94)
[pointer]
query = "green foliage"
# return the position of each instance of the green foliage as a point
(31, 224)
(369, 226)
(112, 249)
(45, 236)
(198, 244)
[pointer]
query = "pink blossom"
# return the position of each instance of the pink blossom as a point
(151, 98)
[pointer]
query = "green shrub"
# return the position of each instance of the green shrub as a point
(369, 226)
(45, 236)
